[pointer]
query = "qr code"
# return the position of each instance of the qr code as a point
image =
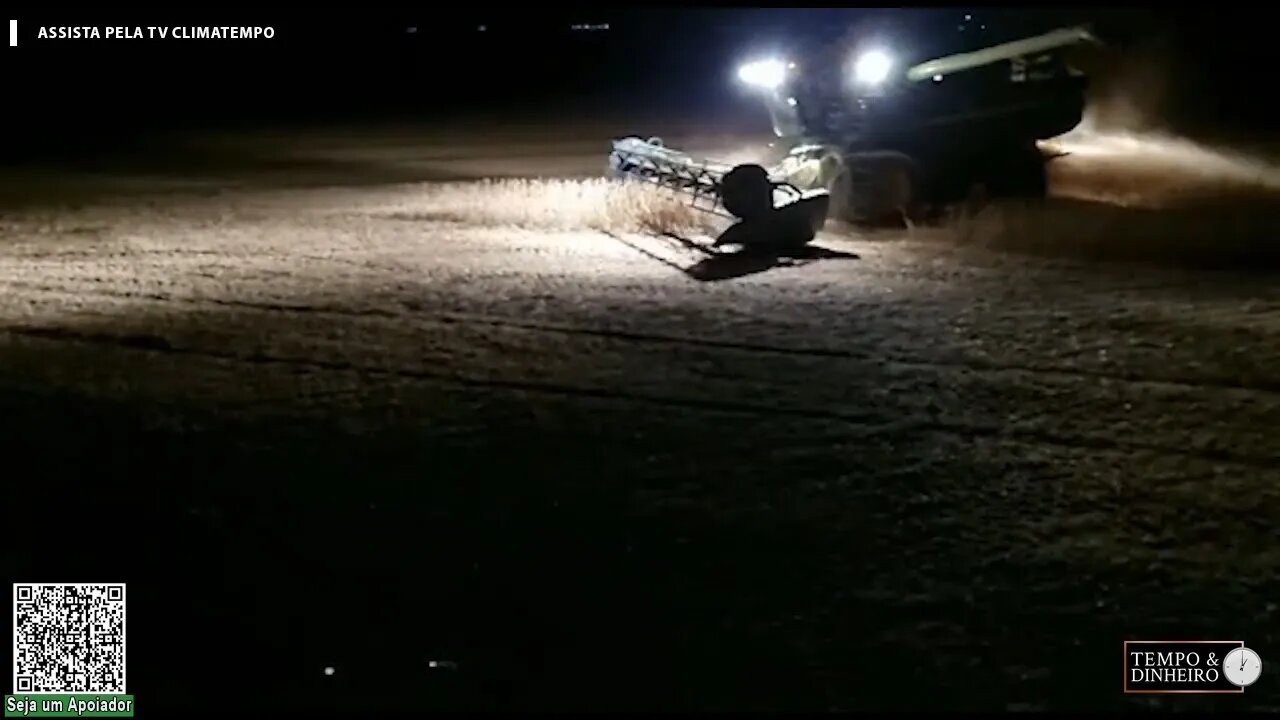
(68, 638)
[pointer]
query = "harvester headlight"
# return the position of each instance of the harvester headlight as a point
(767, 74)
(872, 67)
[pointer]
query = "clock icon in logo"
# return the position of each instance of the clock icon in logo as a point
(1241, 667)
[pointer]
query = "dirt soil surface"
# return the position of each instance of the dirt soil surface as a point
(469, 465)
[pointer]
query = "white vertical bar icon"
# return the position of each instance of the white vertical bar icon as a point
(13, 33)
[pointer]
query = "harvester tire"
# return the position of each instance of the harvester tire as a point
(875, 190)
(1019, 172)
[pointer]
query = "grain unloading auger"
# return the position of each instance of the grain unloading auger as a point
(870, 138)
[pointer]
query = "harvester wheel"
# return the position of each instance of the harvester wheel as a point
(1019, 171)
(876, 190)
(841, 192)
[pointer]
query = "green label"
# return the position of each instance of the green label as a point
(82, 705)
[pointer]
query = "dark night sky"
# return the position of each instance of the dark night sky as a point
(528, 63)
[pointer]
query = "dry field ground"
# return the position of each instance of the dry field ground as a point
(373, 401)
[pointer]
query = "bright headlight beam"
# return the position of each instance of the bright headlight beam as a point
(767, 74)
(872, 67)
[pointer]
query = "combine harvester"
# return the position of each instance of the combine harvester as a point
(867, 140)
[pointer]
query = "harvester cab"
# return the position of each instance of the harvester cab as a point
(886, 130)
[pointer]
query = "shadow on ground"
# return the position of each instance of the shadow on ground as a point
(727, 265)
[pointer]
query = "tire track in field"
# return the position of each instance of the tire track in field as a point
(453, 318)
(155, 344)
